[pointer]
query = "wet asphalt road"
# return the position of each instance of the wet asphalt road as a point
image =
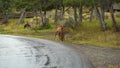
(23, 52)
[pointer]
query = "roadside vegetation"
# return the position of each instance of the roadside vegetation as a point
(88, 33)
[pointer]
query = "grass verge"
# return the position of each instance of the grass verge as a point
(88, 33)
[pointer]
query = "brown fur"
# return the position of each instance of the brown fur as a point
(60, 32)
(27, 25)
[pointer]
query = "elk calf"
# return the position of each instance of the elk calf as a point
(27, 25)
(60, 32)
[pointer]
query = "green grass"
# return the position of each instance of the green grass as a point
(103, 39)
(89, 33)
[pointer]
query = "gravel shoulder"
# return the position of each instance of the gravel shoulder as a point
(100, 57)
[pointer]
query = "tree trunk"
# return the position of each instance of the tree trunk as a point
(103, 12)
(102, 7)
(35, 13)
(80, 13)
(21, 16)
(113, 19)
(5, 18)
(56, 14)
(44, 19)
(75, 16)
(103, 26)
(110, 7)
(62, 12)
(91, 14)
